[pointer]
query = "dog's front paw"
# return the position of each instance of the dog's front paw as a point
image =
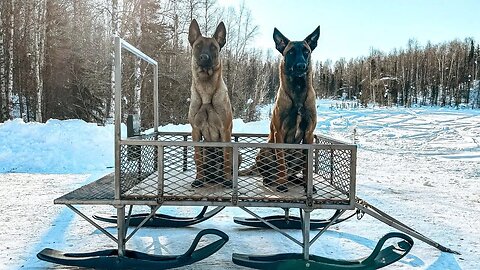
(267, 182)
(295, 179)
(282, 188)
(314, 189)
(227, 183)
(197, 183)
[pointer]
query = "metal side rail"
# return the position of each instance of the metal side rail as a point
(376, 213)
(163, 220)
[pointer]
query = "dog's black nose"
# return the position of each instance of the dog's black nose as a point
(301, 66)
(204, 57)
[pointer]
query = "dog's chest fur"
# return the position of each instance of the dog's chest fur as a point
(208, 108)
(297, 113)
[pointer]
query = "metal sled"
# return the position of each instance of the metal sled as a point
(157, 169)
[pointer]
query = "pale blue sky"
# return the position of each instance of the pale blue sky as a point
(349, 28)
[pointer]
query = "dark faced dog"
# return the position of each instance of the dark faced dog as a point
(210, 112)
(294, 115)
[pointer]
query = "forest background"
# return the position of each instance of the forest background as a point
(56, 61)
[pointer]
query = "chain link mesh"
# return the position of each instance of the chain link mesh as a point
(138, 163)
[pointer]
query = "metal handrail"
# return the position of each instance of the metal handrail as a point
(137, 52)
(119, 45)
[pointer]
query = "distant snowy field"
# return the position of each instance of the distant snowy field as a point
(421, 165)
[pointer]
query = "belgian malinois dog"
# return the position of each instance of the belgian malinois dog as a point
(210, 112)
(294, 115)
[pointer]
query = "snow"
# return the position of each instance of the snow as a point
(38, 148)
(420, 165)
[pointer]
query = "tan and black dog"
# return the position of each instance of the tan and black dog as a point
(294, 115)
(210, 112)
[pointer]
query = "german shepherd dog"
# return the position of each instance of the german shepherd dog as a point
(210, 112)
(294, 115)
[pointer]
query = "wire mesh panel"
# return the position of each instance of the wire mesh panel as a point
(332, 175)
(247, 154)
(172, 168)
(138, 163)
(179, 156)
(264, 180)
(208, 179)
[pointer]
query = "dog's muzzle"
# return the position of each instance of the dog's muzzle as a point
(299, 69)
(205, 61)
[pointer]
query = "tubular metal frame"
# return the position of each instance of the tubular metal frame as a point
(119, 45)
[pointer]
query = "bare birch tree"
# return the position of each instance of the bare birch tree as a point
(3, 90)
(39, 53)
(138, 14)
(115, 26)
(9, 95)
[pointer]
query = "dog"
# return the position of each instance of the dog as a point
(210, 111)
(294, 114)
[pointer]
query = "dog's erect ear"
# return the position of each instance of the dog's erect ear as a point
(220, 35)
(313, 38)
(280, 40)
(193, 32)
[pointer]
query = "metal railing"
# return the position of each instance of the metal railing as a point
(119, 45)
(162, 169)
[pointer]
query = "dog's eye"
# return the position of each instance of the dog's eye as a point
(291, 52)
(305, 52)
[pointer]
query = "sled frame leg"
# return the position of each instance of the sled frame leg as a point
(89, 220)
(122, 224)
(391, 221)
(306, 243)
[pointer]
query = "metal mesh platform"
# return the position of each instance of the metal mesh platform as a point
(250, 191)
(101, 191)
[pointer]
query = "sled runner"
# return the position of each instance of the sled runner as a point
(288, 222)
(111, 259)
(157, 168)
(378, 258)
(163, 220)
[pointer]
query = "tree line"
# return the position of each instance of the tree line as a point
(56, 61)
(443, 74)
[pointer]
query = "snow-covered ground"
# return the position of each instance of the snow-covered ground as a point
(421, 165)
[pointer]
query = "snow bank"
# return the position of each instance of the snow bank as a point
(74, 146)
(68, 146)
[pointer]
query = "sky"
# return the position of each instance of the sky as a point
(351, 28)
